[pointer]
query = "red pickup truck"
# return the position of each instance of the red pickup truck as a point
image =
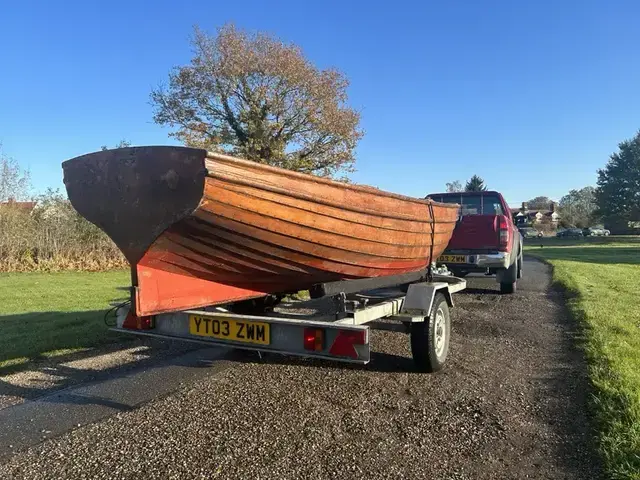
(485, 238)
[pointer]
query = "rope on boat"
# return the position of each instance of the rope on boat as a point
(433, 236)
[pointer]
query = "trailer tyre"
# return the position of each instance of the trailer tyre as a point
(430, 339)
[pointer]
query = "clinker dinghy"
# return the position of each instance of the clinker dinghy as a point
(202, 228)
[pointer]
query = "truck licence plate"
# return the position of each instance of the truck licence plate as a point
(230, 329)
(452, 259)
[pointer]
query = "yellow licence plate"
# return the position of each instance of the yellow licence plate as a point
(228, 329)
(453, 259)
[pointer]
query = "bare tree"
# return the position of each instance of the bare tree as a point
(455, 186)
(254, 96)
(539, 203)
(15, 183)
(121, 144)
(578, 207)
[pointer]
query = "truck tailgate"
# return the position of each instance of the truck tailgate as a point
(475, 232)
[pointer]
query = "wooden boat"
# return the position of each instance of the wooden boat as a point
(202, 228)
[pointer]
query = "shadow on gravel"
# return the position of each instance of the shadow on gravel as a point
(479, 291)
(75, 399)
(380, 362)
(42, 377)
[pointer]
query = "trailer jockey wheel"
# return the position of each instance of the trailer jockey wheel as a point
(430, 339)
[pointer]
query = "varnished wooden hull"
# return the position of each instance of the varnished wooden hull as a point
(230, 229)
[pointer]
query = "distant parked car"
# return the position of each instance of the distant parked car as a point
(528, 232)
(570, 233)
(595, 232)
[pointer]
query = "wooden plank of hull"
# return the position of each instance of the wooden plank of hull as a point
(243, 240)
(225, 202)
(357, 198)
(214, 186)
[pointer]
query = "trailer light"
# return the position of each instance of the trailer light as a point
(138, 323)
(314, 339)
(345, 342)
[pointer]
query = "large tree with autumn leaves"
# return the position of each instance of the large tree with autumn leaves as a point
(251, 95)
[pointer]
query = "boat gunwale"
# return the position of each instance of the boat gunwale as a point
(327, 181)
(207, 155)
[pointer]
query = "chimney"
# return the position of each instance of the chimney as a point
(552, 207)
(524, 207)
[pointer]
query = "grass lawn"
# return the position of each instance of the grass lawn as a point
(602, 278)
(45, 314)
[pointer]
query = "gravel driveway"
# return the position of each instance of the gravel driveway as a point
(510, 404)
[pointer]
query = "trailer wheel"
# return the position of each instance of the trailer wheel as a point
(430, 339)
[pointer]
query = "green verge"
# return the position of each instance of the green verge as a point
(49, 314)
(602, 281)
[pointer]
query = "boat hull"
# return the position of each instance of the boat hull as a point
(233, 230)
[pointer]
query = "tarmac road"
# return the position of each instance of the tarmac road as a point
(511, 403)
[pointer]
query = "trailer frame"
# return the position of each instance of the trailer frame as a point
(406, 303)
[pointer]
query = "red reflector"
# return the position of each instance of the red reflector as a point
(313, 339)
(137, 323)
(343, 345)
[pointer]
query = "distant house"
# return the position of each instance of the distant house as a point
(525, 217)
(12, 203)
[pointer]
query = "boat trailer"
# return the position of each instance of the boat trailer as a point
(417, 304)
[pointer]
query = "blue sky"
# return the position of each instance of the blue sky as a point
(532, 96)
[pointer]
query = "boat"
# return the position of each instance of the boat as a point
(201, 228)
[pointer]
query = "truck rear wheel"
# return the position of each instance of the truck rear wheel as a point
(506, 288)
(430, 339)
(508, 278)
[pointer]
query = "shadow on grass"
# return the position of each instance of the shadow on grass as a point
(37, 336)
(605, 255)
(583, 241)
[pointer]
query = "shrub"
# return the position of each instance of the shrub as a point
(53, 236)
